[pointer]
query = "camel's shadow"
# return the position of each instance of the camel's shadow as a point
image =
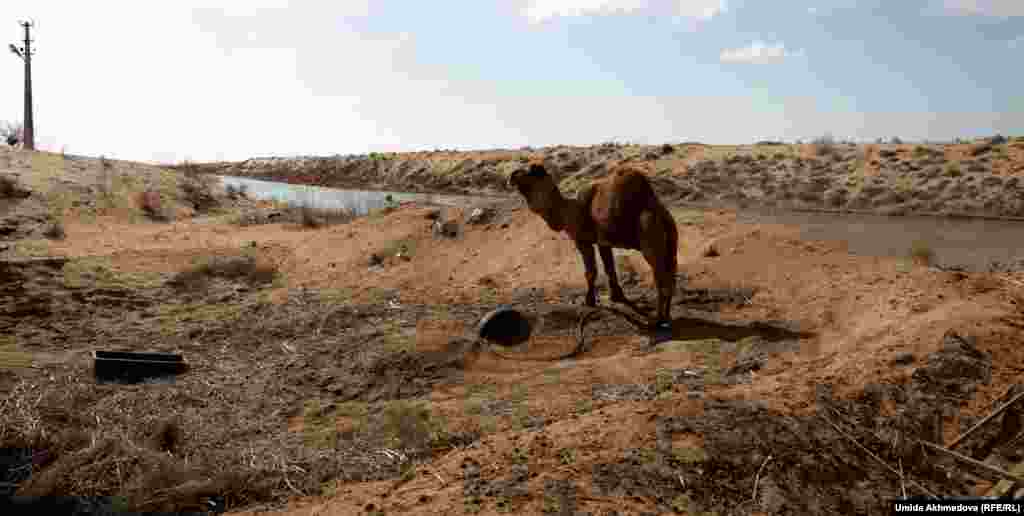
(699, 325)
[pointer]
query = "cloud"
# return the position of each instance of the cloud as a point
(542, 10)
(757, 53)
(998, 8)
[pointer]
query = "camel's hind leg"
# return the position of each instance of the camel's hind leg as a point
(590, 265)
(608, 259)
(660, 253)
(665, 279)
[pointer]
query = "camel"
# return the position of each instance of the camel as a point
(621, 211)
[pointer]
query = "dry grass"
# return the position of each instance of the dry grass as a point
(97, 272)
(171, 447)
(248, 268)
(688, 217)
(921, 253)
(302, 215)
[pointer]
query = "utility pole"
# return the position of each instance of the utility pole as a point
(25, 53)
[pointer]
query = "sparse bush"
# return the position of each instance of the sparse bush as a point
(247, 268)
(198, 191)
(297, 214)
(55, 231)
(953, 170)
(311, 217)
(980, 149)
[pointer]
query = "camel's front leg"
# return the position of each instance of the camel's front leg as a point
(590, 265)
(608, 259)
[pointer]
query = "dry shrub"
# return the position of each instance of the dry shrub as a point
(151, 204)
(55, 231)
(409, 424)
(7, 187)
(10, 189)
(981, 148)
(199, 191)
(146, 480)
(311, 217)
(250, 269)
(308, 218)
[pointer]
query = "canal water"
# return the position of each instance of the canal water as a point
(359, 201)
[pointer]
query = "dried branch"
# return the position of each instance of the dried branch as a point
(877, 459)
(986, 419)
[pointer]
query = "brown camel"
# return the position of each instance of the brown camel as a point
(621, 211)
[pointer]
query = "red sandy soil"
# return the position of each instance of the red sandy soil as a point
(862, 310)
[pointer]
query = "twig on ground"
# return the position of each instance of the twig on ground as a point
(877, 458)
(976, 463)
(903, 485)
(439, 479)
(985, 419)
(757, 479)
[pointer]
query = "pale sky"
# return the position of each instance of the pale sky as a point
(166, 81)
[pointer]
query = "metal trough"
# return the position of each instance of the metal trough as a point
(133, 367)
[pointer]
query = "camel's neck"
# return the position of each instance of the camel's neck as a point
(564, 215)
(557, 211)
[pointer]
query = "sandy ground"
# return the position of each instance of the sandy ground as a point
(856, 316)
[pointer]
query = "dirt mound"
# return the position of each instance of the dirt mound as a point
(713, 460)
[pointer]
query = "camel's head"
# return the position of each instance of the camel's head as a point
(532, 180)
(540, 191)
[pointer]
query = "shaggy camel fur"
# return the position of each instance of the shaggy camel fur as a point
(621, 211)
